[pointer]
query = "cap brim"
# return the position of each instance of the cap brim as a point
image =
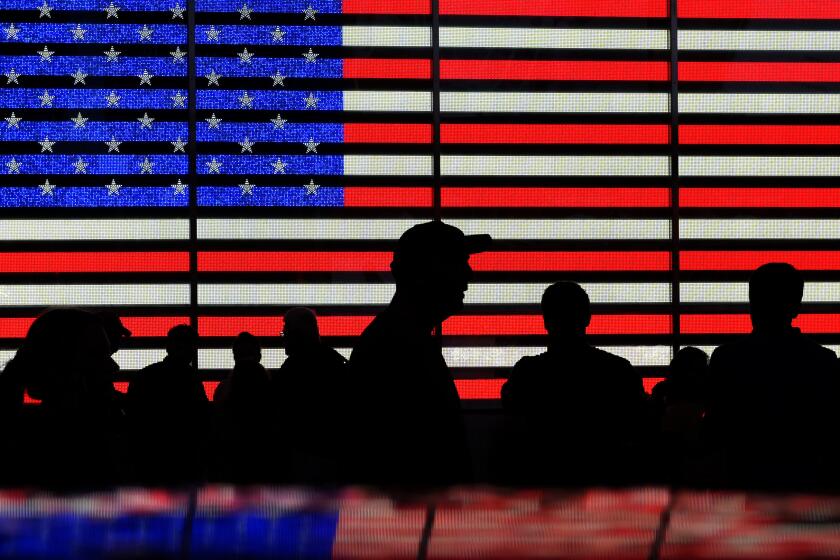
(477, 243)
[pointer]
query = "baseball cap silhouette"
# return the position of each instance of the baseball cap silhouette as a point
(431, 244)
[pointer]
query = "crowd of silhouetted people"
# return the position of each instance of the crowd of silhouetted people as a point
(763, 412)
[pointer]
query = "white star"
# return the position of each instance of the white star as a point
(247, 188)
(246, 146)
(312, 145)
(310, 56)
(13, 121)
(279, 122)
(180, 188)
(113, 188)
(47, 145)
(213, 121)
(45, 10)
(11, 32)
(177, 11)
(46, 99)
(277, 35)
(212, 33)
(113, 99)
(145, 121)
(111, 11)
(80, 165)
(311, 101)
(113, 145)
(12, 77)
(278, 79)
(245, 57)
(213, 166)
(146, 166)
(179, 146)
(79, 77)
(279, 166)
(212, 78)
(47, 188)
(311, 188)
(145, 78)
(46, 55)
(79, 121)
(309, 13)
(178, 55)
(245, 12)
(112, 54)
(178, 99)
(145, 32)
(246, 101)
(78, 32)
(13, 165)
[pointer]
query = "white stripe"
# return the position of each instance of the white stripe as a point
(387, 165)
(567, 229)
(454, 165)
(559, 102)
(136, 359)
(759, 229)
(222, 358)
(522, 38)
(761, 103)
(399, 101)
(494, 357)
(94, 295)
(759, 166)
(738, 292)
(90, 230)
(381, 36)
(380, 294)
(710, 349)
(316, 229)
(751, 40)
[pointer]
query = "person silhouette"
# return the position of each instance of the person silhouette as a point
(64, 362)
(574, 410)
(773, 394)
(169, 414)
(405, 398)
(308, 392)
(243, 403)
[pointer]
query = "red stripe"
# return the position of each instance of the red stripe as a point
(210, 388)
(812, 323)
(378, 197)
(759, 9)
(759, 71)
(16, 327)
(759, 134)
(491, 389)
(94, 262)
(750, 260)
(386, 7)
(551, 197)
(759, 198)
(512, 325)
(272, 326)
(556, 8)
(538, 261)
(364, 133)
(651, 382)
(552, 70)
(390, 68)
(554, 134)
(302, 261)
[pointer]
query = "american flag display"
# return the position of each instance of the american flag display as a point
(219, 161)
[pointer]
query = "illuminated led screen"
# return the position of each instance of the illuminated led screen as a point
(218, 162)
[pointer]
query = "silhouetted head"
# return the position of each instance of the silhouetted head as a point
(300, 331)
(432, 270)
(65, 352)
(687, 374)
(114, 328)
(246, 348)
(565, 309)
(181, 344)
(775, 296)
